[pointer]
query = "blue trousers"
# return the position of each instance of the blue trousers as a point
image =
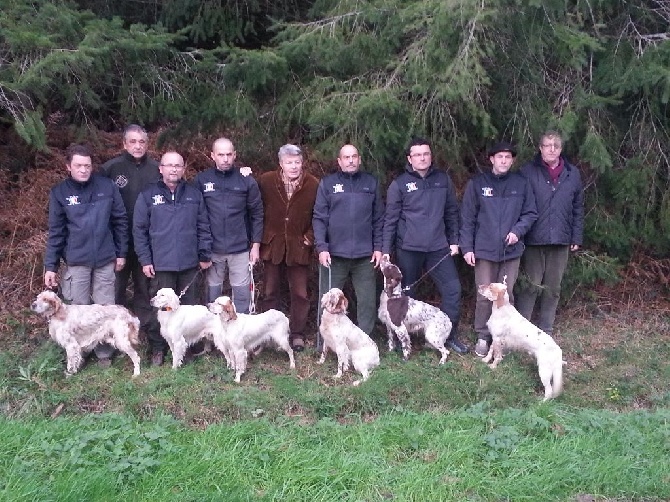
(445, 276)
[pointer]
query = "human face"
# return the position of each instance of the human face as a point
(291, 166)
(223, 154)
(136, 143)
(420, 158)
(502, 162)
(172, 168)
(349, 160)
(80, 168)
(550, 150)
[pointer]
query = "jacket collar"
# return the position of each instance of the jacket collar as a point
(133, 160)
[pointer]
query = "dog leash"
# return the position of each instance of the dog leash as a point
(407, 288)
(252, 289)
(183, 292)
(318, 310)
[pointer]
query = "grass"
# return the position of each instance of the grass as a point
(414, 431)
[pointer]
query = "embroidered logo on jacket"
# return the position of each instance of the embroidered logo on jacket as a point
(411, 186)
(209, 187)
(338, 188)
(158, 199)
(72, 200)
(121, 181)
(487, 192)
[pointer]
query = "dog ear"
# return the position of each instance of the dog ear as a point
(230, 309)
(342, 303)
(56, 306)
(397, 309)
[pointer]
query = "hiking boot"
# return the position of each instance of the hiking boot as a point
(157, 359)
(482, 348)
(457, 346)
(105, 362)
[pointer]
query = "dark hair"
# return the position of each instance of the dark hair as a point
(82, 150)
(416, 141)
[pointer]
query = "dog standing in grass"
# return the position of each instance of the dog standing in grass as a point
(343, 337)
(511, 331)
(80, 328)
(241, 333)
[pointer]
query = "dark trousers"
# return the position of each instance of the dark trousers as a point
(487, 272)
(297, 283)
(363, 279)
(542, 269)
(177, 281)
(444, 275)
(141, 297)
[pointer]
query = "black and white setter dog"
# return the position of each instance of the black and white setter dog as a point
(403, 315)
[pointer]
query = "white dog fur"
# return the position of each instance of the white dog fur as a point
(413, 316)
(79, 328)
(183, 325)
(241, 333)
(348, 341)
(511, 331)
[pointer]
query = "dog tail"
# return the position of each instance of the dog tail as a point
(557, 377)
(134, 331)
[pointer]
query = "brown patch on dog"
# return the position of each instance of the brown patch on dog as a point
(397, 309)
(230, 310)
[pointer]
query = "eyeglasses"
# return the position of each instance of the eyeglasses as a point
(420, 154)
(557, 146)
(173, 166)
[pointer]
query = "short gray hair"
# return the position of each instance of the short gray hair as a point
(289, 149)
(134, 128)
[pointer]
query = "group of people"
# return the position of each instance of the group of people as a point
(140, 218)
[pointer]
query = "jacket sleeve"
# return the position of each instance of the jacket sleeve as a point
(204, 233)
(57, 234)
(377, 219)
(320, 218)
(141, 224)
(578, 213)
(528, 212)
(119, 222)
(451, 216)
(469, 211)
(391, 216)
(255, 211)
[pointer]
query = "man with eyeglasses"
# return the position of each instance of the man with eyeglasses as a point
(559, 194)
(172, 237)
(88, 230)
(421, 223)
(131, 171)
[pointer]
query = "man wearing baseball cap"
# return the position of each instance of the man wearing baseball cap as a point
(498, 209)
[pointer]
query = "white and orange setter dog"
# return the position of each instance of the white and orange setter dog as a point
(349, 342)
(241, 333)
(403, 315)
(183, 325)
(513, 332)
(79, 328)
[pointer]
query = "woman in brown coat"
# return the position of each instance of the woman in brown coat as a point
(288, 199)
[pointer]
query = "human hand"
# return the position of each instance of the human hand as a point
(245, 171)
(324, 258)
(50, 279)
(469, 258)
(204, 265)
(376, 258)
(120, 263)
(148, 270)
(254, 253)
(511, 239)
(454, 249)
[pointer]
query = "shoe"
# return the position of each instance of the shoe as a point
(482, 348)
(157, 359)
(298, 345)
(457, 346)
(105, 362)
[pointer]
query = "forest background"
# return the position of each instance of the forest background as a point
(373, 73)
